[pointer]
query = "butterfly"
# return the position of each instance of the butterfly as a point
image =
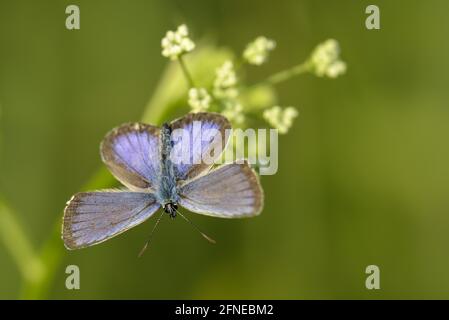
(138, 155)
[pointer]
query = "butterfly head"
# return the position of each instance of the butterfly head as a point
(171, 209)
(166, 128)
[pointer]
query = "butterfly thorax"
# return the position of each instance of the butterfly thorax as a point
(167, 194)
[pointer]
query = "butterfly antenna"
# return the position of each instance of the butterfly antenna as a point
(197, 229)
(151, 235)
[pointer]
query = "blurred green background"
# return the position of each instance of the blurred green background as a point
(363, 175)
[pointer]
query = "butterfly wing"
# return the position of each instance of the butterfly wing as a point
(93, 217)
(231, 191)
(131, 152)
(207, 126)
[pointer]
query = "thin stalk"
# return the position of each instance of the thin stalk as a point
(284, 75)
(186, 72)
(18, 245)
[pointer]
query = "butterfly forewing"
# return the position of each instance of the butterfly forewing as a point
(231, 191)
(131, 152)
(197, 125)
(93, 217)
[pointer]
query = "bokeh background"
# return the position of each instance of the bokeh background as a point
(363, 174)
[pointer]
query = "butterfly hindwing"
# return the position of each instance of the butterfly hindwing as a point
(93, 217)
(231, 191)
(198, 126)
(131, 152)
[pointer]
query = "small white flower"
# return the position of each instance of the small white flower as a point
(176, 43)
(226, 81)
(336, 69)
(199, 99)
(325, 60)
(257, 51)
(280, 119)
(234, 112)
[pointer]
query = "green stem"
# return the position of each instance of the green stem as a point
(16, 242)
(289, 73)
(186, 72)
(284, 75)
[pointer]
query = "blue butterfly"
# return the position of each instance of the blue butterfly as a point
(138, 155)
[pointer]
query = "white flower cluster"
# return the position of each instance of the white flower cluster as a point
(257, 51)
(280, 119)
(325, 60)
(176, 43)
(199, 99)
(226, 81)
(234, 112)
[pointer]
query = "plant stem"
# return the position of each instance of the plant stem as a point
(289, 73)
(186, 72)
(284, 75)
(19, 247)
